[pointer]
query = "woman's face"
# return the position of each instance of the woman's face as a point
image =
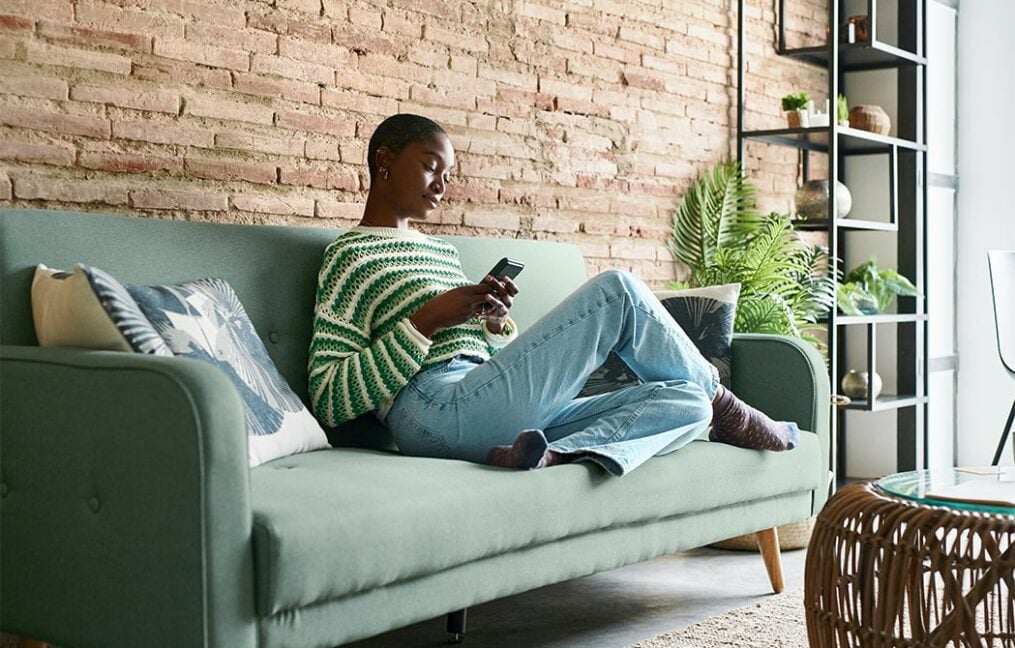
(417, 176)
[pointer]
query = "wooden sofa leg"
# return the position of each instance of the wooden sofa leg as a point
(456, 626)
(768, 542)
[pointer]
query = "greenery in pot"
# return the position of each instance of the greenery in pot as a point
(795, 101)
(842, 110)
(717, 232)
(867, 290)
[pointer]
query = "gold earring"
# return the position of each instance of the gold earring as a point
(385, 173)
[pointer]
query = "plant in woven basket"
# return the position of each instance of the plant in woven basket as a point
(795, 107)
(785, 285)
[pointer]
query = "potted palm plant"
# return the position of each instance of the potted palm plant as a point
(786, 285)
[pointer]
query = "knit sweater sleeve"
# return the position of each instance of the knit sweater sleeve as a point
(351, 371)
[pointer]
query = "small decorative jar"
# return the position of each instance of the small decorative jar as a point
(854, 384)
(798, 118)
(812, 200)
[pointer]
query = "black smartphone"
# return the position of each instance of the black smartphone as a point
(506, 267)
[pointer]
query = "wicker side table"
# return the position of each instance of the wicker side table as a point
(884, 571)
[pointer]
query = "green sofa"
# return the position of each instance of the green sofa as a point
(129, 516)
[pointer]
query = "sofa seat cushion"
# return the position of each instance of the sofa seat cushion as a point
(336, 522)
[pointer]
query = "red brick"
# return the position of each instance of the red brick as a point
(107, 17)
(464, 64)
(171, 72)
(426, 96)
(332, 56)
(68, 190)
(540, 12)
(358, 103)
(372, 85)
(306, 6)
(523, 80)
(33, 86)
(77, 58)
(572, 40)
(292, 69)
(449, 10)
(522, 195)
(268, 19)
(429, 55)
(163, 133)
(55, 122)
(361, 40)
(641, 37)
(139, 99)
(5, 188)
(39, 9)
(291, 90)
(323, 149)
(231, 169)
(310, 31)
(219, 57)
(274, 204)
(8, 48)
(57, 154)
(227, 109)
(330, 177)
(16, 24)
(345, 211)
(471, 191)
(327, 124)
(365, 17)
(591, 66)
(335, 8)
(279, 145)
(467, 41)
(617, 53)
(397, 22)
(250, 40)
(564, 89)
(386, 66)
(548, 223)
(95, 37)
(200, 11)
(510, 221)
(353, 152)
(194, 200)
(645, 81)
(128, 162)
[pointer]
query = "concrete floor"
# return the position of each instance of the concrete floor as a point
(612, 609)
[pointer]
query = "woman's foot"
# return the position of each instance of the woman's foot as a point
(737, 423)
(528, 450)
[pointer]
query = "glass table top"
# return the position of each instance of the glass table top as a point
(990, 489)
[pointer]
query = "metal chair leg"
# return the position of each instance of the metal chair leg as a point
(456, 626)
(1004, 435)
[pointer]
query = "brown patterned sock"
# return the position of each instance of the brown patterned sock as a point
(526, 452)
(737, 423)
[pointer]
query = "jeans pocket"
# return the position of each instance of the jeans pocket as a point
(415, 439)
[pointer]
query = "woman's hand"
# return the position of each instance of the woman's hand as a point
(456, 306)
(504, 289)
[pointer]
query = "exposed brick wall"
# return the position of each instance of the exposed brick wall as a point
(581, 121)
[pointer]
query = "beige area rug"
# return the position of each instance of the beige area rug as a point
(776, 622)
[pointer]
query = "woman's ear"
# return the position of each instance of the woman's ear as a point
(384, 157)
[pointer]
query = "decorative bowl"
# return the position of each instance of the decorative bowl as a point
(870, 118)
(854, 384)
(812, 200)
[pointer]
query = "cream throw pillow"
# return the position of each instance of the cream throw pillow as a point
(67, 312)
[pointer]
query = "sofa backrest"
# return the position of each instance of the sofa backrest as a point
(273, 269)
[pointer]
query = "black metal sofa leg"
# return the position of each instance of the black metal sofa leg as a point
(1004, 435)
(456, 626)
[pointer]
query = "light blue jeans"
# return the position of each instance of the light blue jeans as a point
(464, 407)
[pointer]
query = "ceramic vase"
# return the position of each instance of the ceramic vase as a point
(854, 384)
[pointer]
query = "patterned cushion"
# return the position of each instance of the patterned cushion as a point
(205, 320)
(706, 315)
(89, 308)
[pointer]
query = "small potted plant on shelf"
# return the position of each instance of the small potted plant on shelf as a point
(867, 290)
(842, 111)
(795, 107)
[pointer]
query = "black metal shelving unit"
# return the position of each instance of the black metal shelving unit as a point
(907, 186)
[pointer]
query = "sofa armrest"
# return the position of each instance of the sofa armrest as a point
(786, 378)
(125, 500)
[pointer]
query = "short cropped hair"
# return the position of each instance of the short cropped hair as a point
(398, 131)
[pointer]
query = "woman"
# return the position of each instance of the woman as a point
(401, 331)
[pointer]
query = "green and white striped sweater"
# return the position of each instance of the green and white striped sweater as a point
(364, 349)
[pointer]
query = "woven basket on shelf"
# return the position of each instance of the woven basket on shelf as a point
(794, 535)
(870, 118)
